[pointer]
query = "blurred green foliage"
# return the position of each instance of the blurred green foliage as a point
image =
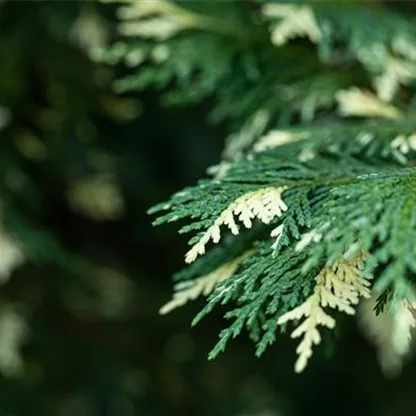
(94, 277)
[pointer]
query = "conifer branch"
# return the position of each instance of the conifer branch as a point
(338, 287)
(204, 285)
(264, 204)
(322, 152)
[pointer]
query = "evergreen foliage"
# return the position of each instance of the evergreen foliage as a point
(317, 184)
(51, 161)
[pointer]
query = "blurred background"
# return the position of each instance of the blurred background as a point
(83, 273)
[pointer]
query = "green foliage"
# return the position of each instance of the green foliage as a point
(302, 73)
(52, 147)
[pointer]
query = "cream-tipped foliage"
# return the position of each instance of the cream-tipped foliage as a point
(277, 234)
(157, 28)
(139, 9)
(404, 144)
(397, 72)
(277, 138)
(359, 103)
(264, 204)
(89, 30)
(98, 197)
(404, 322)
(204, 285)
(11, 255)
(390, 332)
(296, 21)
(338, 287)
(157, 19)
(149, 19)
(13, 332)
(311, 237)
